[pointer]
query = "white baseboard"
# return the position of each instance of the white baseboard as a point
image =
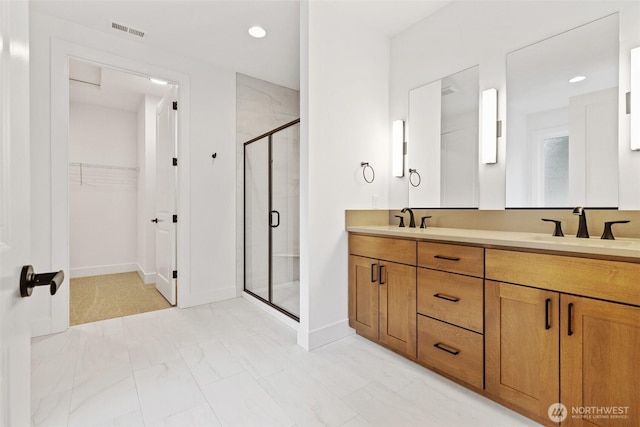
(102, 269)
(206, 297)
(272, 311)
(147, 278)
(310, 340)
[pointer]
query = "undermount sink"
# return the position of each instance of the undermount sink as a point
(592, 241)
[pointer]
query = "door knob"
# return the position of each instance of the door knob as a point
(29, 280)
(155, 220)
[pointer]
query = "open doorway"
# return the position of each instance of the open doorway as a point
(122, 192)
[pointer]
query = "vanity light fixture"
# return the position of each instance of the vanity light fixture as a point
(577, 79)
(633, 103)
(257, 32)
(399, 148)
(489, 137)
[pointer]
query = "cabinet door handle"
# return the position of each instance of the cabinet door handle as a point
(446, 297)
(547, 312)
(570, 323)
(373, 273)
(382, 275)
(448, 349)
(448, 258)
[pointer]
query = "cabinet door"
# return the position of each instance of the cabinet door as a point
(398, 307)
(522, 334)
(363, 296)
(600, 359)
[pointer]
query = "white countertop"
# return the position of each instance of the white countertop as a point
(622, 247)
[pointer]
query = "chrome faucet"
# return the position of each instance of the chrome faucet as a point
(582, 225)
(412, 219)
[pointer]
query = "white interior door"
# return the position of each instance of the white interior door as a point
(15, 353)
(166, 173)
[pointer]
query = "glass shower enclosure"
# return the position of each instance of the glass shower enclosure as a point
(272, 218)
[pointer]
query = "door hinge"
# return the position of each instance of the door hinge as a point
(175, 161)
(175, 274)
(175, 105)
(175, 218)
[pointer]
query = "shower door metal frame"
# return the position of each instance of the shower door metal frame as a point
(270, 210)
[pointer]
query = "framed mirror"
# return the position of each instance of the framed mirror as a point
(562, 119)
(442, 151)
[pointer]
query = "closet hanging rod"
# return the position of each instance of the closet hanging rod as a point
(91, 165)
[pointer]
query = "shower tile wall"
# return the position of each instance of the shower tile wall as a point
(260, 107)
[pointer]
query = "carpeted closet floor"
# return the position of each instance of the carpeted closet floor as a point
(112, 295)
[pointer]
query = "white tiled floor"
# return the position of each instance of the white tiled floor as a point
(231, 364)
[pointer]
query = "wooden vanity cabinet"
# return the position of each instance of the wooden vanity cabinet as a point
(522, 346)
(382, 291)
(600, 361)
(547, 346)
(451, 310)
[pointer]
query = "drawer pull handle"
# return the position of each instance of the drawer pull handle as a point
(449, 350)
(570, 324)
(547, 312)
(381, 275)
(446, 297)
(373, 273)
(448, 258)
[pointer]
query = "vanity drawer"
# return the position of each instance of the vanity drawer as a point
(388, 249)
(452, 298)
(454, 258)
(452, 350)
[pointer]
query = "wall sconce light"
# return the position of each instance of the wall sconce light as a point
(633, 99)
(489, 137)
(399, 148)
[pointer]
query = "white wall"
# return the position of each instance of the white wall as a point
(146, 238)
(345, 120)
(464, 34)
(102, 202)
(206, 201)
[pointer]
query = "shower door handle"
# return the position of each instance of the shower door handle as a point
(271, 218)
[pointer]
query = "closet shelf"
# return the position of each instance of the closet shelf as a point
(93, 165)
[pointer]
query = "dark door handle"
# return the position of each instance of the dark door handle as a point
(29, 280)
(155, 220)
(271, 218)
(570, 323)
(381, 276)
(547, 312)
(373, 273)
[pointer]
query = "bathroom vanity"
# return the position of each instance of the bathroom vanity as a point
(525, 319)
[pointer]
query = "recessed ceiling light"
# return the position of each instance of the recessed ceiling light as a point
(257, 32)
(158, 81)
(577, 79)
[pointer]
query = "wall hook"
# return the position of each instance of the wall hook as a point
(365, 166)
(214, 155)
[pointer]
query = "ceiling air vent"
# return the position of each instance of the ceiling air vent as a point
(127, 29)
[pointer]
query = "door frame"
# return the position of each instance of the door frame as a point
(61, 51)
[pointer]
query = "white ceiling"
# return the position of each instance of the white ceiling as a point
(215, 31)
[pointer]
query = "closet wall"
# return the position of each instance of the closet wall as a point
(103, 200)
